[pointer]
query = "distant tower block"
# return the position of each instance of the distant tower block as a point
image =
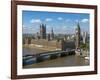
(48, 37)
(52, 34)
(84, 37)
(77, 31)
(43, 31)
(38, 36)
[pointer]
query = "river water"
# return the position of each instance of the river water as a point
(71, 60)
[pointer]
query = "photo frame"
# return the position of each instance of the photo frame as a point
(17, 70)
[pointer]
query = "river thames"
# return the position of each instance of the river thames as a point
(71, 60)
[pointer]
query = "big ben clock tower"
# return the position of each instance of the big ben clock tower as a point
(77, 32)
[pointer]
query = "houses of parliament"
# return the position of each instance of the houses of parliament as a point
(49, 42)
(42, 34)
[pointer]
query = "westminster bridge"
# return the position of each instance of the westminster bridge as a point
(36, 58)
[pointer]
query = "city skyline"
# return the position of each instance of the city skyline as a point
(64, 23)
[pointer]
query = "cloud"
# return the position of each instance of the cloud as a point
(48, 19)
(84, 20)
(23, 26)
(76, 20)
(64, 27)
(68, 20)
(35, 21)
(60, 18)
(30, 29)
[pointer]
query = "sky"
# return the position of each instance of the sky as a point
(62, 23)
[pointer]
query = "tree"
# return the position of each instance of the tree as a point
(85, 46)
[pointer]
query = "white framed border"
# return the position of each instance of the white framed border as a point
(21, 71)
